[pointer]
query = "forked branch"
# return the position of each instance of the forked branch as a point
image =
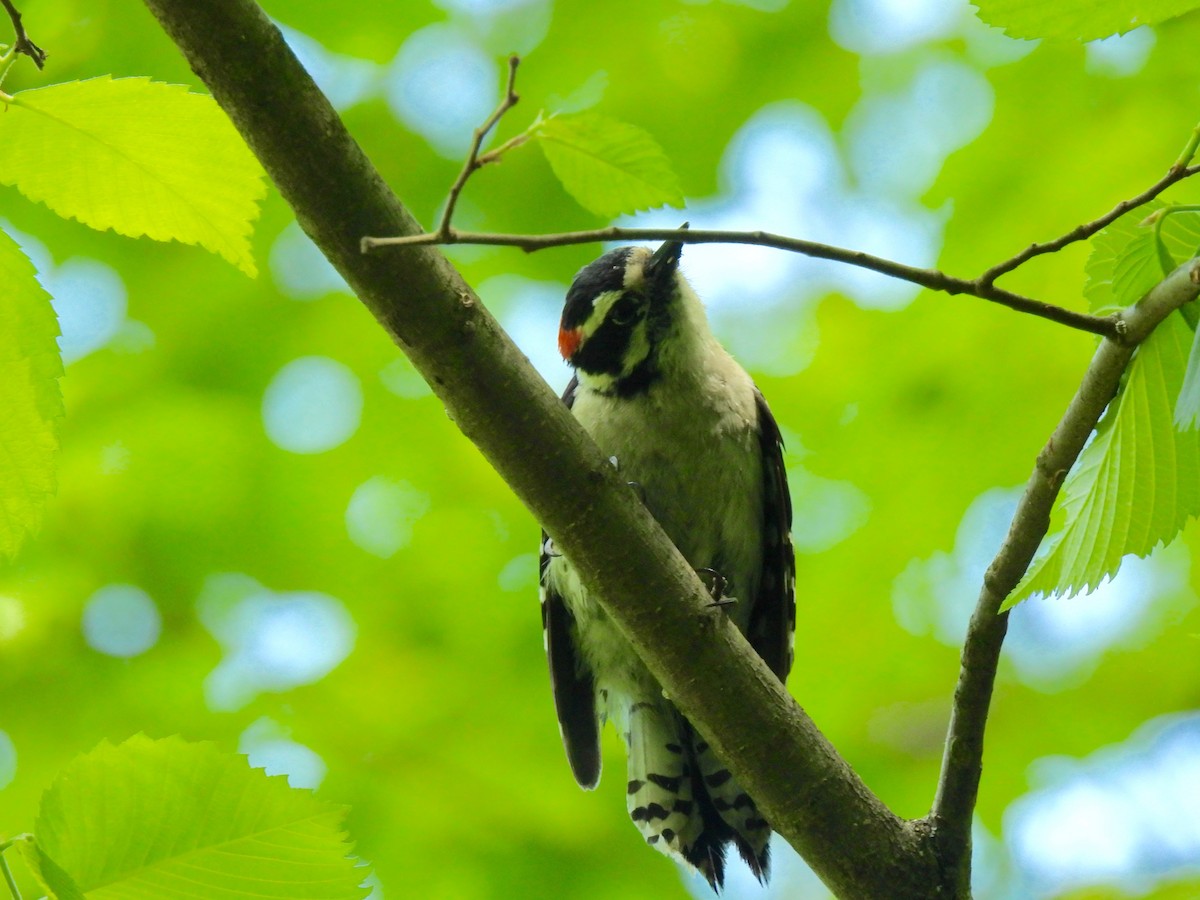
(474, 160)
(962, 763)
(22, 43)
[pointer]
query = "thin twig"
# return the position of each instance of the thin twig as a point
(928, 278)
(8, 878)
(1179, 170)
(474, 160)
(23, 44)
(962, 763)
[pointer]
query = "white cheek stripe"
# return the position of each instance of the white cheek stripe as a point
(600, 307)
(639, 348)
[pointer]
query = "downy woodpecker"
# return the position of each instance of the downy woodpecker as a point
(685, 424)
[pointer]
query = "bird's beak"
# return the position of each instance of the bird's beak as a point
(569, 340)
(662, 265)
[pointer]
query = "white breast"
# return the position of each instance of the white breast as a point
(692, 447)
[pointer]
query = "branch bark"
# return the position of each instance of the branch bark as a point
(856, 845)
(962, 763)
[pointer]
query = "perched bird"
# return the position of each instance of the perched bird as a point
(684, 423)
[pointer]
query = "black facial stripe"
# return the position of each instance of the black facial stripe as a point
(605, 274)
(604, 352)
(644, 375)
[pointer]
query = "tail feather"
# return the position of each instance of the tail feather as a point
(659, 792)
(682, 798)
(730, 813)
(707, 855)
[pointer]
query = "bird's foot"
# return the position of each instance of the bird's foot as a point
(716, 584)
(641, 491)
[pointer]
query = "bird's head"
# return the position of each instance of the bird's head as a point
(619, 310)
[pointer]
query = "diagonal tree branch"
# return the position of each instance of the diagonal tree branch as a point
(857, 846)
(962, 764)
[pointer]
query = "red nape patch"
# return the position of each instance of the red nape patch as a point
(569, 341)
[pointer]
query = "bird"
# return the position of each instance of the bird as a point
(686, 426)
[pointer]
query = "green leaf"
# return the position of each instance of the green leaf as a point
(172, 820)
(1135, 484)
(137, 156)
(1181, 232)
(1126, 259)
(609, 167)
(49, 874)
(1166, 262)
(30, 400)
(1084, 20)
(1187, 407)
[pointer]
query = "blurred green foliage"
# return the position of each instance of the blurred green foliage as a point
(436, 728)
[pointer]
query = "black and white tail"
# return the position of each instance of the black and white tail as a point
(683, 800)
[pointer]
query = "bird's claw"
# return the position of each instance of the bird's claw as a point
(716, 584)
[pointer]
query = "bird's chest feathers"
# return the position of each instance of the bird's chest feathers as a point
(692, 449)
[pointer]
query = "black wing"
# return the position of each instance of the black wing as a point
(570, 679)
(773, 620)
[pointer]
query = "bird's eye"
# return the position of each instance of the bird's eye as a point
(624, 311)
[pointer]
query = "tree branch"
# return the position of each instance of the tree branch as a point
(474, 161)
(982, 287)
(857, 846)
(23, 44)
(962, 763)
(927, 278)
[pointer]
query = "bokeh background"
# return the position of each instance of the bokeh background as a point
(269, 534)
